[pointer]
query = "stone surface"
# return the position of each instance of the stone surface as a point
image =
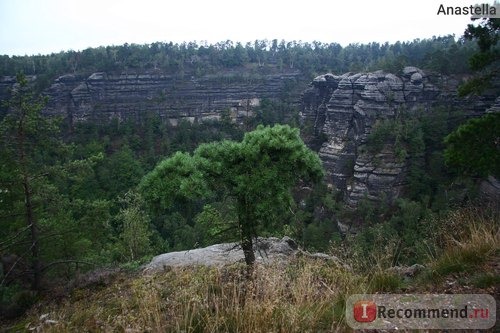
(173, 98)
(344, 108)
(407, 271)
(489, 191)
(267, 250)
(341, 108)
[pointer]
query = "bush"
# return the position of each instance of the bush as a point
(15, 301)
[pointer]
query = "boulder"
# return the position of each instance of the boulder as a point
(407, 271)
(267, 250)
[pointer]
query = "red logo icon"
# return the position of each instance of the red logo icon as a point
(365, 311)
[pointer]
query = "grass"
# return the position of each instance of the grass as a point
(304, 295)
(383, 281)
(295, 298)
(485, 280)
(474, 240)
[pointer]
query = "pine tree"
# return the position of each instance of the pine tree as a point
(258, 173)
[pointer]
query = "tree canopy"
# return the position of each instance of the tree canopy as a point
(444, 54)
(486, 61)
(259, 173)
(474, 148)
(46, 221)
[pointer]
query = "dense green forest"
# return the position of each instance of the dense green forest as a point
(72, 200)
(445, 55)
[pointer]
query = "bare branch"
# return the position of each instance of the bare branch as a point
(15, 236)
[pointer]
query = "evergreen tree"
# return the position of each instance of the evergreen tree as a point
(44, 219)
(486, 62)
(474, 148)
(24, 133)
(258, 173)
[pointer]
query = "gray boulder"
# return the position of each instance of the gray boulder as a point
(267, 250)
(407, 271)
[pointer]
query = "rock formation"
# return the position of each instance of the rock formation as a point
(344, 109)
(267, 250)
(173, 98)
(341, 109)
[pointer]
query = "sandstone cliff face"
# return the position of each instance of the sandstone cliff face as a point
(6, 83)
(173, 98)
(341, 109)
(344, 109)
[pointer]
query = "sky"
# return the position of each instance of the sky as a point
(30, 27)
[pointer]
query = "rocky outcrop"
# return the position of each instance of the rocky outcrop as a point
(489, 191)
(406, 271)
(344, 109)
(341, 109)
(6, 84)
(267, 250)
(173, 98)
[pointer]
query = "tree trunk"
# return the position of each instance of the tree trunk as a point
(247, 246)
(30, 219)
(246, 220)
(28, 202)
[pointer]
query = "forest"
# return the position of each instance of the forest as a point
(445, 55)
(118, 192)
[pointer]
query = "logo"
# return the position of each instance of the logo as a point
(420, 311)
(365, 311)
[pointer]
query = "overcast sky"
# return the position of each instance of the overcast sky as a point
(45, 26)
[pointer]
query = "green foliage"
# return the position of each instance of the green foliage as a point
(258, 173)
(15, 301)
(135, 234)
(486, 280)
(82, 181)
(473, 149)
(485, 62)
(174, 179)
(399, 239)
(50, 207)
(406, 232)
(475, 85)
(402, 132)
(382, 281)
(214, 222)
(27, 141)
(383, 130)
(416, 138)
(271, 112)
(319, 235)
(486, 35)
(259, 57)
(119, 172)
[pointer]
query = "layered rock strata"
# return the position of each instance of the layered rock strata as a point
(173, 98)
(343, 110)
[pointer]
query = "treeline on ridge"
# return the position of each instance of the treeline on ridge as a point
(442, 54)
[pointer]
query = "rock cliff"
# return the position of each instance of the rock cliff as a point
(173, 98)
(344, 109)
